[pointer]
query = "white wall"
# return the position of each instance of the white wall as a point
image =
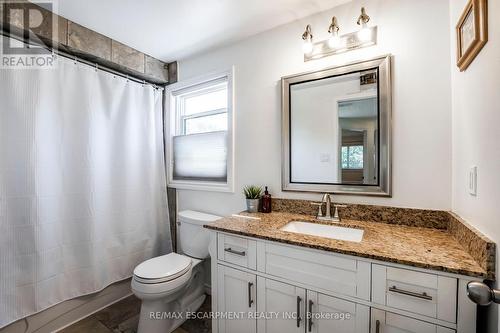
(415, 32)
(476, 129)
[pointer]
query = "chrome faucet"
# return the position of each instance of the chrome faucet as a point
(328, 212)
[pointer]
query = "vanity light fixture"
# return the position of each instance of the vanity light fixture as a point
(307, 37)
(366, 36)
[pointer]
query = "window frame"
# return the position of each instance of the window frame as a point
(174, 126)
(180, 104)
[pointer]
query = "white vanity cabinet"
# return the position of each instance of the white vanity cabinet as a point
(289, 288)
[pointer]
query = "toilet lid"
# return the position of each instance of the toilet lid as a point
(163, 268)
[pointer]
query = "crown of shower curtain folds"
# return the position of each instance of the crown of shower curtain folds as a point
(82, 184)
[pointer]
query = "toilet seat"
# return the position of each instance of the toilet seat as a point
(163, 268)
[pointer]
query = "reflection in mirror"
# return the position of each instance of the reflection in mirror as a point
(334, 129)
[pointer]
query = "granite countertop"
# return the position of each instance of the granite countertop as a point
(428, 248)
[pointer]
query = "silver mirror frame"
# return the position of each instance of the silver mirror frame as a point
(384, 188)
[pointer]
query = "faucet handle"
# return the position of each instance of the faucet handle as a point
(319, 204)
(336, 216)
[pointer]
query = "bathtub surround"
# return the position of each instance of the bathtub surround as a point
(77, 40)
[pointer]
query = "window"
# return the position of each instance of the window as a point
(352, 157)
(200, 133)
(204, 110)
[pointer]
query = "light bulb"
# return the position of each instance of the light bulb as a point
(365, 34)
(334, 42)
(307, 47)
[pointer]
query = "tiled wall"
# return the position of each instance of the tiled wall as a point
(68, 36)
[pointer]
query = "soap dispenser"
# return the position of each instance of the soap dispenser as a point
(266, 202)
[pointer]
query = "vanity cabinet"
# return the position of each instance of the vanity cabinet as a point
(289, 288)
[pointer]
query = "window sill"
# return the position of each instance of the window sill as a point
(198, 186)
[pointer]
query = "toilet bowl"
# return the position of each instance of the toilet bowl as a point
(172, 285)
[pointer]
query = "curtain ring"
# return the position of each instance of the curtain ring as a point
(96, 66)
(75, 59)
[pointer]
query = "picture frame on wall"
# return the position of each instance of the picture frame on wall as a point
(472, 32)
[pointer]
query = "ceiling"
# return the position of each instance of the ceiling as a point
(175, 29)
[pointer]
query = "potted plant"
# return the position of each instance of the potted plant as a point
(252, 194)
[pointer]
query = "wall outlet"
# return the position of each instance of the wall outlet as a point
(472, 181)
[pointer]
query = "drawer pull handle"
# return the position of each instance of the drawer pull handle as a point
(250, 300)
(310, 323)
(423, 295)
(298, 310)
(238, 253)
(377, 326)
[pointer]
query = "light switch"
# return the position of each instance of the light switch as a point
(472, 181)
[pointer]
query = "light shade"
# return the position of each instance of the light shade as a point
(201, 157)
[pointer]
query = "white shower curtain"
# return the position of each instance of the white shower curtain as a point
(82, 184)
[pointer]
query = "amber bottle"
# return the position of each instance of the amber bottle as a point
(266, 202)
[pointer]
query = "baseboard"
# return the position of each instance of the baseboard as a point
(69, 312)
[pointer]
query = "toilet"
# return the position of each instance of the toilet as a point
(174, 283)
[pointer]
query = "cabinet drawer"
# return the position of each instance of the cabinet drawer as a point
(318, 269)
(423, 293)
(237, 250)
(387, 322)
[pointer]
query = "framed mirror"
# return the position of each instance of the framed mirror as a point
(336, 130)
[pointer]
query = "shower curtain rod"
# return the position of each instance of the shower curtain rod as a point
(104, 68)
(74, 57)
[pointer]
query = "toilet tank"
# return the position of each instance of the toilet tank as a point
(193, 238)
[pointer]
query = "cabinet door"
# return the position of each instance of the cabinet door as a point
(236, 295)
(326, 314)
(284, 306)
(387, 322)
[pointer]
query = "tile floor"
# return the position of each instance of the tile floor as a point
(123, 317)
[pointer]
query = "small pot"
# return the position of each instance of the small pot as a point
(252, 205)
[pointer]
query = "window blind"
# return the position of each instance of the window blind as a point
(200, 157)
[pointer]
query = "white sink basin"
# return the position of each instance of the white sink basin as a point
(323, 230)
